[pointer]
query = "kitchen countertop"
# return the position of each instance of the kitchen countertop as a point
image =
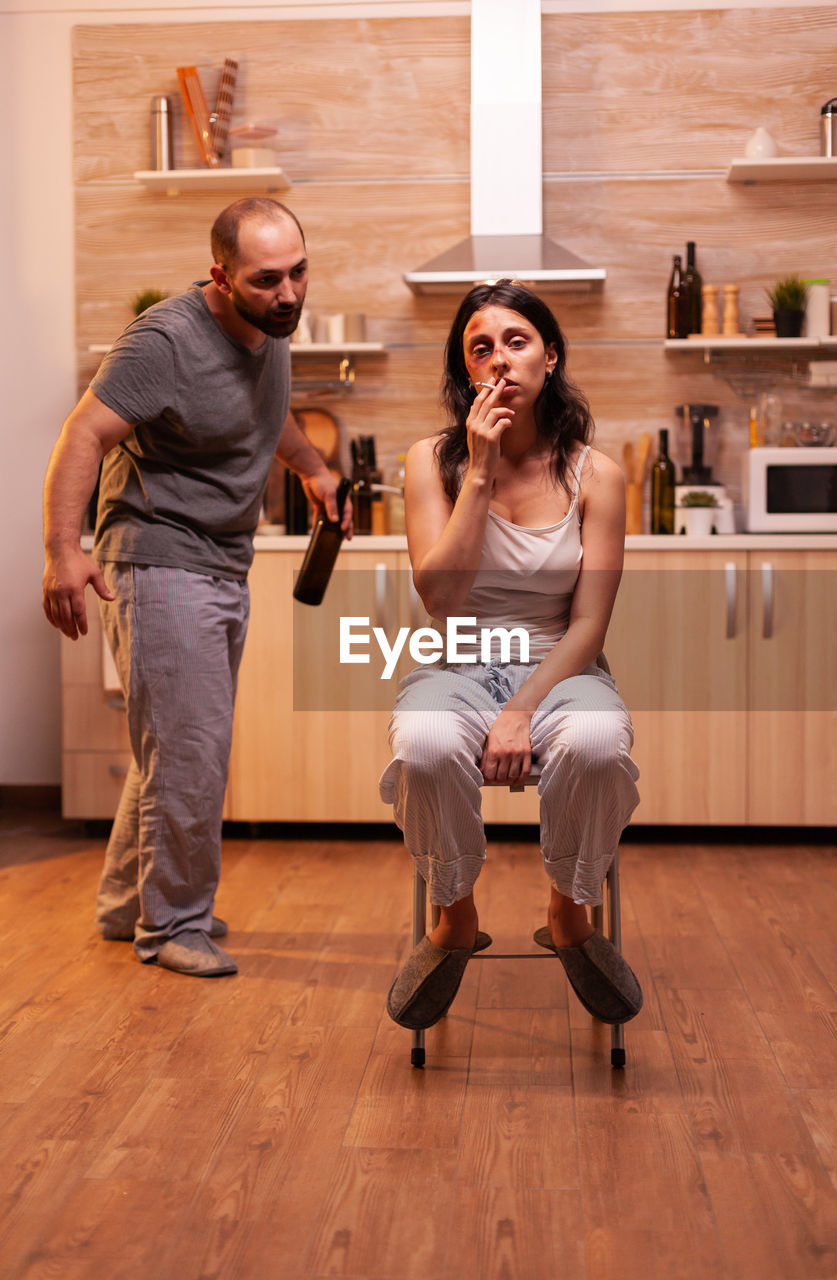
(635, 542)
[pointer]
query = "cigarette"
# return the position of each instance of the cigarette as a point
(485, 384)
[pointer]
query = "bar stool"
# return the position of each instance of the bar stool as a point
(614, 933)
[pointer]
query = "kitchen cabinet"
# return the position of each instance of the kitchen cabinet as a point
(724, 656)
(792, 691)
(310, 737)
(727, 662)
(677, 647)
(95, 751)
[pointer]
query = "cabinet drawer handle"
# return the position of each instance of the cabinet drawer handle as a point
(766, 600)
(731, 583)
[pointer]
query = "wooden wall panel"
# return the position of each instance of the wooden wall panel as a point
(351, 98)
(373, 118)
(682, 90)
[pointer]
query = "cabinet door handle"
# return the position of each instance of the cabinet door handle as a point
(118, 770)
(731, 584)
(766, 600)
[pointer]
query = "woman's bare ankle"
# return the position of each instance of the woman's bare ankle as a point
(457, 927)
(567, 920)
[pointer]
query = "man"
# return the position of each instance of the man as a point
(185, 415)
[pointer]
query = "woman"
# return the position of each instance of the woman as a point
(513, 520)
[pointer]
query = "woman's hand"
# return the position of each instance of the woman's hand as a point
(507, 754)
(486, 423)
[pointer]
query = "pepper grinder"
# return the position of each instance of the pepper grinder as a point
(709, 322)
(731, 326)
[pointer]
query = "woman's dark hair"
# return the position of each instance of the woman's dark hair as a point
(561, 411)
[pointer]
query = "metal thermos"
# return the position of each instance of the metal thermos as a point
(161, 148)
(828, 115)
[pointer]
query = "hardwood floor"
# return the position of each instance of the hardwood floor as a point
(155, 1127)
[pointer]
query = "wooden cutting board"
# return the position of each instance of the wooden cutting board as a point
(322, 429)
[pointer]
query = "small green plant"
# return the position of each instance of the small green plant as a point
(699, 498)
(146, 298)
(788, 294)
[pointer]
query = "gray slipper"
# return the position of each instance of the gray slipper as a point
(193, 952)
(599, 975)
(424, 989)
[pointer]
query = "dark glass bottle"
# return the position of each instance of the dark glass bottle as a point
(322, 552)
(694, 290)
(363, 470)
(296, 505)
(677, 315)
(662, 489)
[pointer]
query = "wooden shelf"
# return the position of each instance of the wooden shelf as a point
(717, 342)
(297, 348)
(336, 348)
(173, 181)
(784, 169)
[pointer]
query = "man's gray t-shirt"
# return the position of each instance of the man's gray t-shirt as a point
(185, 486)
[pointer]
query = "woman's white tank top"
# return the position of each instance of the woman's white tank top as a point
(527, 578)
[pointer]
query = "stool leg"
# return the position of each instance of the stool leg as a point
(419, 930)
(614, 911)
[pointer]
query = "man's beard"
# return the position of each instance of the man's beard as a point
(280, 325)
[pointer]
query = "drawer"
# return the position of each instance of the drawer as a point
(93, 720)
(91, 782)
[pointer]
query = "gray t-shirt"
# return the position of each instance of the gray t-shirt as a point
(185, 486)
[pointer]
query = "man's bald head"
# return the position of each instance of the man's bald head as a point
(227, 226)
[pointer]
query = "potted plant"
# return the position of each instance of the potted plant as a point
(697, 507)
(146, 298)
(787, 298)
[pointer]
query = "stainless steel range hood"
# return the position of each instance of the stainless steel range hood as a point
(506, 237)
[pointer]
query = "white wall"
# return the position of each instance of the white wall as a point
(37, 321)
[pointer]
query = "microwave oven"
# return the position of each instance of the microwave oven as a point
(790, 490)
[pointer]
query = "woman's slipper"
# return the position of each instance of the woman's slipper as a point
(424, 989)
(599, 975)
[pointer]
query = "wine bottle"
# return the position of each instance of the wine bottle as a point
(694, 290)
(296, 505)
(362, 484)
(321, 554)
(677, 315)
(662, 489)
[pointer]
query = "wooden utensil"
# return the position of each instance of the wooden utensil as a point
(220, 119)
(192, 91)
(628, 460)
(322, 429)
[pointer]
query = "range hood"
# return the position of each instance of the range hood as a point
(506, 237)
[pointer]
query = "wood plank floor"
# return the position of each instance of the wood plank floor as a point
(156, 1127)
